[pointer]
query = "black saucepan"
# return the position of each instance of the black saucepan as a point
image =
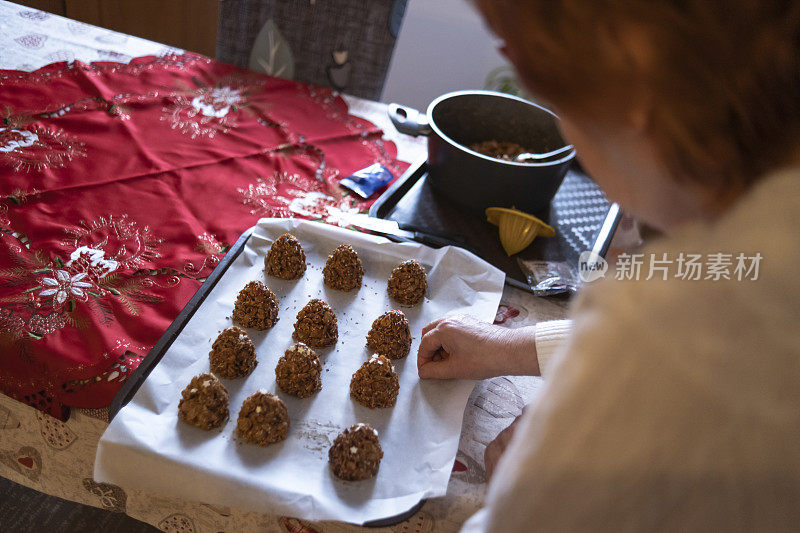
(456, 120)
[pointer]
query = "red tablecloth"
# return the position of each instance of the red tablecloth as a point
(123, 185)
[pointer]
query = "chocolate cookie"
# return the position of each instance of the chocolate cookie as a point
(407, 284)
(233, 354)
(204, 402)
(343, 270)
(390, 335)
(286, 258)
(263, 419)
(256, 307)
(375, 384)
(298, 371)
(316, 325)
(356, 453)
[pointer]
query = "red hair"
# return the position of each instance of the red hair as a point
(723, 76)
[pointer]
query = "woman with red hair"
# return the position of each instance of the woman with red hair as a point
(672, 402)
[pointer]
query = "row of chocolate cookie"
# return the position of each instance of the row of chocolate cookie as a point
(374, 384)
(263, 419)
(256, 307)
(298, 371)
(343, 270)
(316, 325)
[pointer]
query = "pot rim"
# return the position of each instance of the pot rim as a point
(435, 127)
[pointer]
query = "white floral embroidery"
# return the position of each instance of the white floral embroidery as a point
(35, 148)
(96, 260)
(124, 243)
(28, 138)
(217, 102)
(62, 285)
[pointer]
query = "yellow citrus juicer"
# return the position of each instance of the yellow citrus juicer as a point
(517, 229)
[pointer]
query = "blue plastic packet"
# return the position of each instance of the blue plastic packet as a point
(366, 181)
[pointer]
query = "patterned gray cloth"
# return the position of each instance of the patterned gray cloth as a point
(344, 44)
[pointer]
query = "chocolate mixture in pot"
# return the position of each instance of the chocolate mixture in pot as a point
(504, 150)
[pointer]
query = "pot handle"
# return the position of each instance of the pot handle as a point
(408, 120)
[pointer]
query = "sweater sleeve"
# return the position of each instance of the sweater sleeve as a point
(550, 336)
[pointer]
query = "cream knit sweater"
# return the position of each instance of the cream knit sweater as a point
(672, 405)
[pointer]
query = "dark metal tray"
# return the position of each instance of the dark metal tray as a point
(153, 357)
(577, 213)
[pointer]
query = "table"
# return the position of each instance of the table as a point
(57, 457)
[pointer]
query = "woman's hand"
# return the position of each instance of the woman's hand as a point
(463, 347)
(494, 451)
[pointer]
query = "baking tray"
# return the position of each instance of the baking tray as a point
(131, 386)
(578, 212)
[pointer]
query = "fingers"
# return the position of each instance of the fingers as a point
(430, 343)
(432, 325)
(429, 354)
(491, 456)
(446, 321)
(494, 451)
(442, 368)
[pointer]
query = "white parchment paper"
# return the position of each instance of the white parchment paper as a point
(146, 447)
